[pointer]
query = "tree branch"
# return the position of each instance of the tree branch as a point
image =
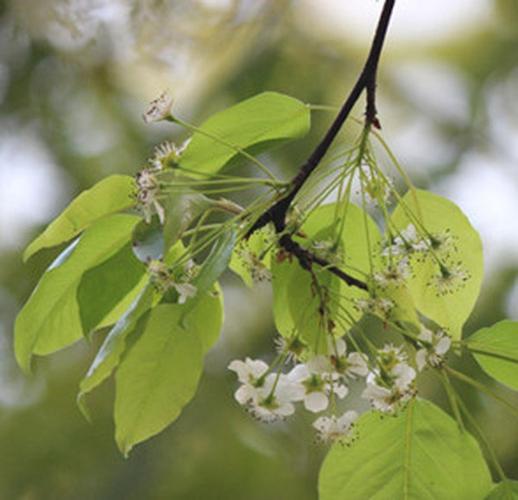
(366, 81)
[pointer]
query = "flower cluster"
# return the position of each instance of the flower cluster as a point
(391, 384)
(271, 395)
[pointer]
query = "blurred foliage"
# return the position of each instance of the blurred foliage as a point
(79, 73)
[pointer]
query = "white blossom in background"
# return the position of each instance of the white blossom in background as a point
(435, 345)
(395, 273)
(391, 384)
(333, 428)
(407, 242)
(159, 109)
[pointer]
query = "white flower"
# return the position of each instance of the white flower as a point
(167, 154)
(391, 384)
(396, 273)
(435, 345)
(408, 241)
(450, 279)
(148, 191)
(267, 396)
(379, 306)
(318, 383)
(159, 108)
(249, 373)
(350, 365)
(335, 428)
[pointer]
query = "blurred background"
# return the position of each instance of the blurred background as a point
(75, 76)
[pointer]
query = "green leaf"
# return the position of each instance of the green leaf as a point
(109, 288)
(216, 262)
(500, 341)
(207, 317)
(258, 121)
(108, 196)
(506, 490)
(157, 378)
(148, 240)
(439, 215)
(50, 320)
(296, 302)
(181, 210)
(114, 345)
(420, 453)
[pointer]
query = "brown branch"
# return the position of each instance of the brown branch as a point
(366, 81)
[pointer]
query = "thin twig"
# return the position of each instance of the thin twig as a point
(366, 81)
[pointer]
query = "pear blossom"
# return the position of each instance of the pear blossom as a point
(435, 345)
(450, 279)
(159, 108)
(167, 154)
(391, 384)
(407, 242)
(163, 279)
(268, 396)
(350, 365)
(379, 306)
(148, 191)
(317, 385)
(334, 428)
(396, 273)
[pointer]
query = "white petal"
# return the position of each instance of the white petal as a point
(341, 347)
(319, 364)
(245, 394)
(316, 402)
(322, 424)
(443, 346)
(357, 364)
(340, 390)
(405, 375)
(256, 367)
(345, 421)
(285, 410)
(299, 373)
(425, 335)
(420, 359)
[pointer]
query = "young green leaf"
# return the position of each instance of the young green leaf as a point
(50, 319)
(259, 121)
(506, 490)
(446, 300)
(108, 196)
(109, 288)
(420, 453)
(114, 345)
(181, 210)
(157, 377)
(496, 350)
(216, 262)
